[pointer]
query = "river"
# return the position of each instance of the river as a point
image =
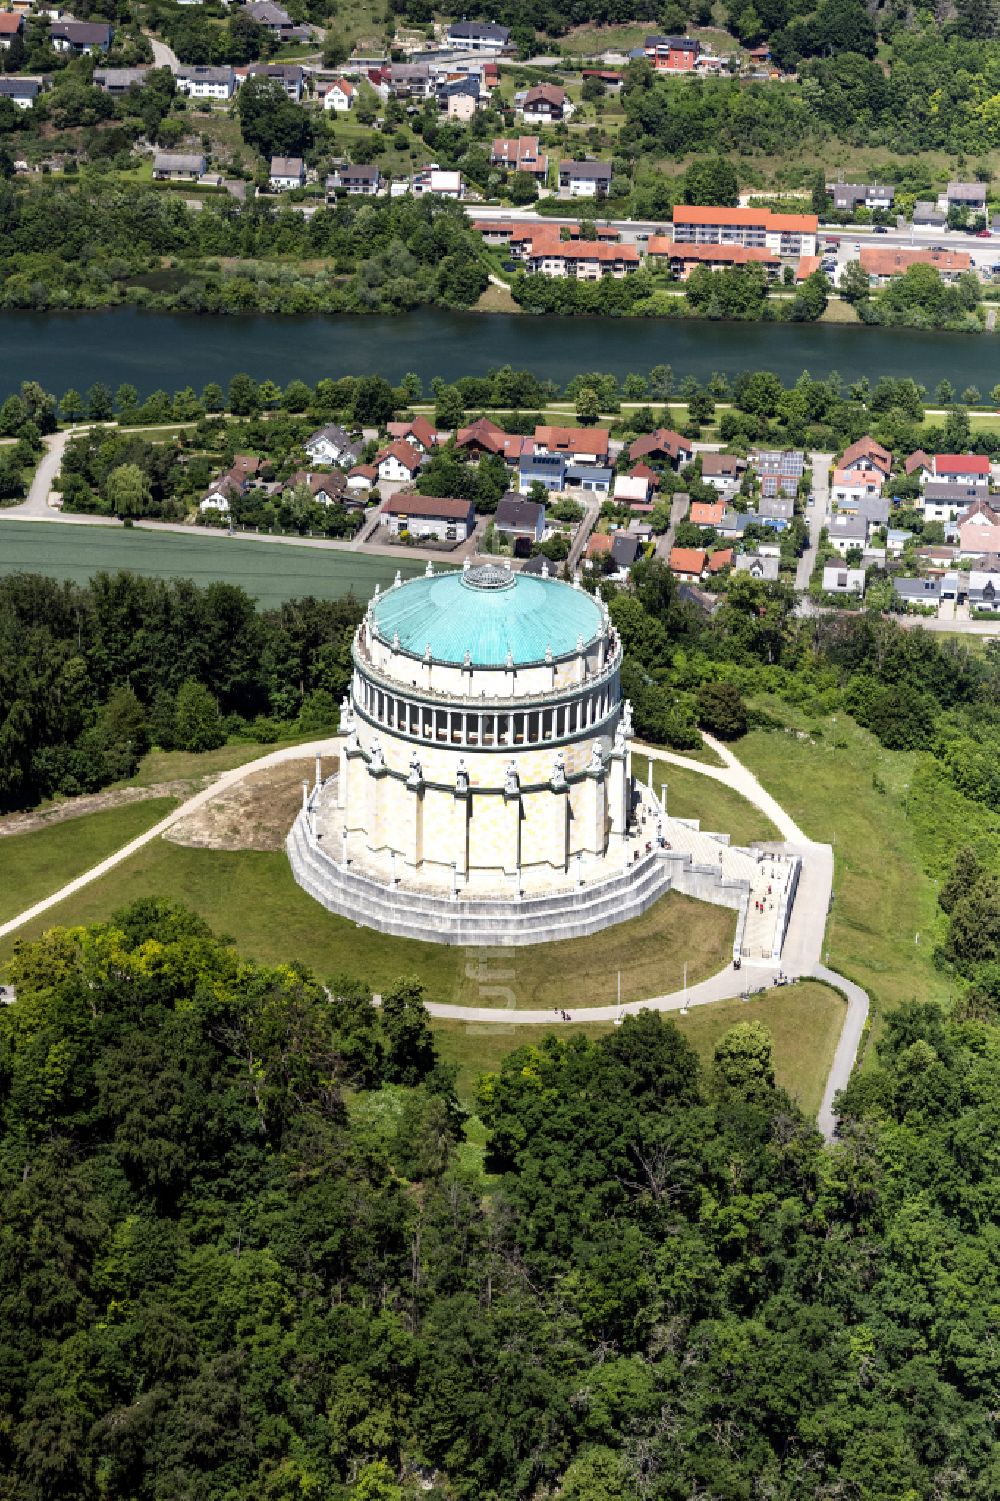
(172, 350)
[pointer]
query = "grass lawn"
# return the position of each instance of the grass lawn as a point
(176, 765)
(270, 571)
(838, 311)
(804, 1021)
(252, 897)
(690, 794)
(33, 865)
(843, 788)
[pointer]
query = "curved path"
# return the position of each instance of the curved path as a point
(801, 956)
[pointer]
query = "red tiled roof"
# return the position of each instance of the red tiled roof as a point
(688, 559)
(401, 450)
(707, 512)
(735, 217)
(599, 544)
(720, 560)
(572, 440)
(961, 463)
(427, 505)
(643, 471)
(917, 460)
(725, 255)
(879, 262)
(867, 448)
(664, 440)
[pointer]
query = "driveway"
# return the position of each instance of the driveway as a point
(816, 516)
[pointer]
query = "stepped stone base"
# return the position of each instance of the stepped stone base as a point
(406, 913)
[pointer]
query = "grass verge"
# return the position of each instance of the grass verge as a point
(690, 794)
(804, 1021)
(36, 864)
(251, 896)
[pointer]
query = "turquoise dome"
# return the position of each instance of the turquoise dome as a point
(490, 613)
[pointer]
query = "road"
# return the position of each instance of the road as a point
(678, 510)
(801, 957)
(816, 516)
(582, 535)
(163, 56)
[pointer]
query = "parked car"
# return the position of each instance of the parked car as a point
(880, 229)
(983, 234)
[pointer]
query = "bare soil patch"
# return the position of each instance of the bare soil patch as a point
(255, 814)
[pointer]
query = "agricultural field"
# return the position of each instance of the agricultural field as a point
(271, 571)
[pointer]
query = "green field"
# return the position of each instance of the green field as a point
(804, 1021)
(33, 865)
(270, 571)
(690, 794)
(844, 789)
(252, 897)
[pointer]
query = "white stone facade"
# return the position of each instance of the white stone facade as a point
(484, 779)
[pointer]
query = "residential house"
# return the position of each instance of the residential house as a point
(326, 489)
(632, 489)
(758, 566)
(362, 180)
(688, 562)
(641, 529)
(273, 18)
(874, 508)
(847, 532)
(682, 260)
(849, 485)
(962, 469)
(967, 195)
(411, 81)
(786, 235)
(707, 513)
(203, 82)
(398, 462)
(461, 100)
(979, 529)
(339, 96)
(721, 559)
(516, 517)
(520, 154)
(22, 92)
(920, 464)
(482, 436)
(896, 540)
(723, 471)
(582, 260)
(287, 172)
(81, 37)
(599, 546)
(235, 481)
(178, 166)
(581, 445)
(984, 589)
(848, 196)
(882, 265)
(867, 454)
(118, 81)
(584, 179)
(290, 76)
(592, 479)
(672, 54)
(662, 446)
(917, 591)
(626, 551)
(420, 434)
(429, 516)
(839, 579)
(437, 181)
(643, 471)
(361, 479)
(548, 469)
(331, 445)
(942, 500)
(545, 104)
(775, 511)
(477, 36)
(10, 27)
(610, 77)
(927, 215)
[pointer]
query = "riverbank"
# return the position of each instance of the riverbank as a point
(167, 351)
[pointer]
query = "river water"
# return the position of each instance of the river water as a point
(171, 350)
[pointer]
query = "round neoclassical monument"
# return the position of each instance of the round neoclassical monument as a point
(484, 791)
(486, 743)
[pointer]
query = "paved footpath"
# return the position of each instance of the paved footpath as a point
(801, 955)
